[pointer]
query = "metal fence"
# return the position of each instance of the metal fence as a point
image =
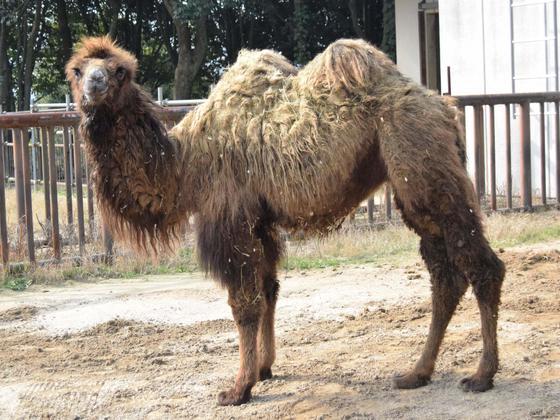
(42, 162)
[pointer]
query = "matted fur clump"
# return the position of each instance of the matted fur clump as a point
(276, 147)
(269, 131)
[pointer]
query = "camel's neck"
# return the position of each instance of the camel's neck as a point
(138, 170)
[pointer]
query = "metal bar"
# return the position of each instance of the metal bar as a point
(543, 155)
(24, 142)
(479, 165)
(509, 200)
(18, 175)
(388, 206)
(557, 108)
(492, 147)
(91, 216)
(3, 223)
(57, 246)
(370, 208)
(79, 192)
(67, 175)
(46, 172)
(525, 131)
(448, 80)
(108, 244)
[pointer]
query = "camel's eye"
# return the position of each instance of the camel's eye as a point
(121, 72)
(77, 72)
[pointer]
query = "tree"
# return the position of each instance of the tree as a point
(389, 44)
(191, 29)
(6, 82)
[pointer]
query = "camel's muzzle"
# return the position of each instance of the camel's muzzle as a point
(95, 85)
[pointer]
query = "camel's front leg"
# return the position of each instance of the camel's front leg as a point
(247, 308)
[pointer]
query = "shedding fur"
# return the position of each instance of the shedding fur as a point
(276, 147)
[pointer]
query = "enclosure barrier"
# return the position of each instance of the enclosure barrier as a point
(485, 144)
(34, 164)
(31, 158)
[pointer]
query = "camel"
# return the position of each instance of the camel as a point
(275, 147)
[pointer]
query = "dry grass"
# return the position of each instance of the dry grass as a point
(394, 245)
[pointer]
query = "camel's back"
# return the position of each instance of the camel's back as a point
(292, 138)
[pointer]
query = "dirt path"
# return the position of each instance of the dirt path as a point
(164, 347)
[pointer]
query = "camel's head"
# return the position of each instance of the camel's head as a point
(100, 73)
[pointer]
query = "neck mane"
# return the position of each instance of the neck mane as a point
(137, 171)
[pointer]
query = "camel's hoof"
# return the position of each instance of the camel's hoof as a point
(474, 384)
(233, 397)
(264, 374)
(410, 381)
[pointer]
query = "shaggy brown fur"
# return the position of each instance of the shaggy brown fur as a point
(273, 148)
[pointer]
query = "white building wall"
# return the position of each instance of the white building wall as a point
(475, 42)
(408, 39)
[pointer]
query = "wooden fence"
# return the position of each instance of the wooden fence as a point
(514, 106)
(33, 161)
(45, 163)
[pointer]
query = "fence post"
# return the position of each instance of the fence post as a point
(54, 196)
(67, 175)
(492, 147)
(91, 216)
(46, 177)
(3, 222)
(388, 208)
(79, 192)
(107, 244)
(557, 109)
(18, 174)
(24, 143)
(479, 164)
(370, 208)
(525, 130)
(509, 189)
(543, 155)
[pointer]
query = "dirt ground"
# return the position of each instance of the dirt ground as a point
(165, 346)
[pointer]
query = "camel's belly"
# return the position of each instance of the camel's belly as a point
(338, 200)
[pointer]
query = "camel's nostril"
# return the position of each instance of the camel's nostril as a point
(97, 75)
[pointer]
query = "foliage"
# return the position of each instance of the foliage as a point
(33, 56)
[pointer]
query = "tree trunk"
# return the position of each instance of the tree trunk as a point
(30, 56)
(189, 58)
(301, 22)
(64, 30)
(358, 29)
(6, 99)
(114, 8)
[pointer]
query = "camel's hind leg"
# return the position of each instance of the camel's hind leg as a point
(421, 145)
(456, 253)
(448, 286)
(470, 252)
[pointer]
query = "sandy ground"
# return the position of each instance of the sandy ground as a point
(165, 346)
